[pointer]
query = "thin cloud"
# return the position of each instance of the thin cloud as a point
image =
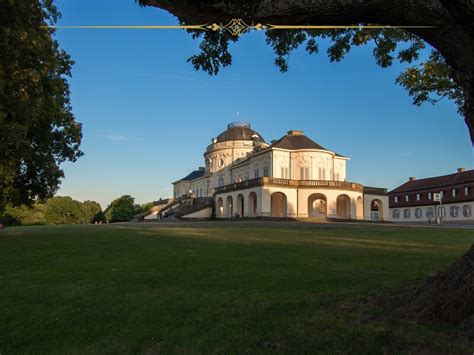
(406, 155)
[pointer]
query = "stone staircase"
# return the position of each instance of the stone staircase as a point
(184, 206)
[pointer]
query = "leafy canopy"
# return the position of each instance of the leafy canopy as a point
(121, 209)
(38, 130)
(425, 82)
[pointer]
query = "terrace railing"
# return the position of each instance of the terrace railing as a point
(375, 190)
(268, 181)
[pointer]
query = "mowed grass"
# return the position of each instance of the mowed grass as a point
(227, 287)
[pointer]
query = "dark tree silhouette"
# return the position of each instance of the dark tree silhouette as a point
(38, 130)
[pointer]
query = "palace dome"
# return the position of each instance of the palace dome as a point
(238, 131)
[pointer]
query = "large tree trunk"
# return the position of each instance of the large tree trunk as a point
(446, 296)
(453, 35)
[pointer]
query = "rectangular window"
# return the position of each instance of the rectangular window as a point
(257, 173)
(336, 176)
(304, 173)
(442, 194)
(418, 197)
(453, 192)
(322, 174)
(429, 196)
(396, 199)
(247, 176)
(284, 173)
(441, 212)
(466, 191)
(407, 198)
(265, 171)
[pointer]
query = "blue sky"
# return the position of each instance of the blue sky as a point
(148, 116)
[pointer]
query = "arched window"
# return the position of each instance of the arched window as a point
(466, 211)
(418, 213)
(406, 213)
(454, 211)
(396, 214)
(430, 212)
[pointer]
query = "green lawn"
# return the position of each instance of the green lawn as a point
(228, 287)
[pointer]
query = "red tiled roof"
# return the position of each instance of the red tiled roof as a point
(464, 177)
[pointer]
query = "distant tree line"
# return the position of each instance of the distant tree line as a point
(65, 210)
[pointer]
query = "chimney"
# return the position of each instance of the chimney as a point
(295, 132)
(412, 178)
(461, 170)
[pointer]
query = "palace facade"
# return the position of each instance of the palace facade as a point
(292, 177)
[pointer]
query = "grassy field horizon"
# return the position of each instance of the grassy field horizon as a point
(216, 287)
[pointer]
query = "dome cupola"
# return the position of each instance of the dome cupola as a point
(239, 131)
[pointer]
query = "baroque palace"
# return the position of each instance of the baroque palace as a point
(292, 177)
